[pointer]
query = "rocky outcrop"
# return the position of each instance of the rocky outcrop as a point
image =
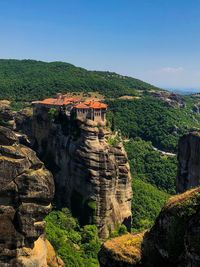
(41, 255)
(170, 99)
(6, 114)
(173, 240)
(23, 121)
(27, 189)
(123, 251)
(188, 162)
(90, 168)
(196, 108)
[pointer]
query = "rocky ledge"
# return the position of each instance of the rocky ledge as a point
(27, 189)
(172, 241)
(123, 251)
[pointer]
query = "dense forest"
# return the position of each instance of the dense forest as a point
(27, 80)
(151, 166)
(154, 178)
(152, 120)
(146, 204)
(78, 247)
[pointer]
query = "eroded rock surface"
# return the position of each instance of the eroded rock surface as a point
(172, 241)
(6, 114)
(123, 251)
(92, 175)
(188, 162)
(41, 255)
(26, 191)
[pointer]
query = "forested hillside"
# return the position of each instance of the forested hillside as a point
(154, 178)
(75, 245)
(152, 120)
(151, 166)
(30, 80)
(147, 117)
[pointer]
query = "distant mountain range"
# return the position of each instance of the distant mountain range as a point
(184, 91)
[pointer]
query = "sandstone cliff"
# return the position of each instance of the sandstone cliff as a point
(122, 251)
(173, 240)
(27, 189)
(91, 171)
(188, 162)
(6, 114)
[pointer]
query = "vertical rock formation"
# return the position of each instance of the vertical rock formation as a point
(27, 189)
(188, 162)
(173, 241)
(6, 114)
(90, 168)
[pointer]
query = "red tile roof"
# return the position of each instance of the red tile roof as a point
(98, 105)
(60, 101)
(66, 102)
(91, 104)
(81, 105)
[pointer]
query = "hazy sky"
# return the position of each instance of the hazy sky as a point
(154, 40)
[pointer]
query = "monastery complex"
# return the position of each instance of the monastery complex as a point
(82, 109)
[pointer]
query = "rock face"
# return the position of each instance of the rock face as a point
(23, 120)
(91, 170)
(173, 240)
(123, 251)
(171, 99)
(188, 162)
(42, 255)
(6, 114)
(27, 189)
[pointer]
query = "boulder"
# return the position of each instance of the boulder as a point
(26, 192)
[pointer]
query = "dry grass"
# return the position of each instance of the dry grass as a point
(178, 199)
(86, 95)
(196, 133)
(4, 103)
(28, 112)
(127, 97)
(126, 248)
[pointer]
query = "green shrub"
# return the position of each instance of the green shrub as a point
(146, 204)
(75, 245)
(121, 230)
(114, 140)
(53, 112)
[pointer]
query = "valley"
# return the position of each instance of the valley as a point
(113, 173)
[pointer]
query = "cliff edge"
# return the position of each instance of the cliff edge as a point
(188, 162)
(26, 192)
(173, 240)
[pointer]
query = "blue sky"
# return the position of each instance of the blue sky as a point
(154, 40)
